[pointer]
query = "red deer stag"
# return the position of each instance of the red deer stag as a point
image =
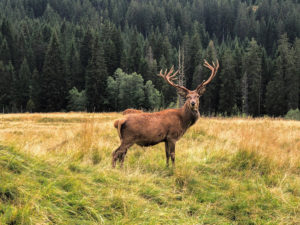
(167, 126)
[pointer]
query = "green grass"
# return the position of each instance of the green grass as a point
(241, 188)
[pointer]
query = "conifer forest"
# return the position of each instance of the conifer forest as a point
(104, 55)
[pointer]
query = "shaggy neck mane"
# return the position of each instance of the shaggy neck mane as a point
(189, 116)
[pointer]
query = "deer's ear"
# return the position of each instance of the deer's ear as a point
(201, 91)
(183, 93)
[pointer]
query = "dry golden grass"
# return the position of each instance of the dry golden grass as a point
(225, 167)
(67, 132)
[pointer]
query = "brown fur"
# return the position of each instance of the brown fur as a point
(131, 111)
(146, 129)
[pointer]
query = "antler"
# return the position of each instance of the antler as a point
(213, 69)
(168, 78)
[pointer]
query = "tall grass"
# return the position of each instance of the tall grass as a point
(56, 169)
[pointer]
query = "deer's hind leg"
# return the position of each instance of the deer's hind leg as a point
(120, 153)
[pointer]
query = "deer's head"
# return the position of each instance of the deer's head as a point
(191, 97)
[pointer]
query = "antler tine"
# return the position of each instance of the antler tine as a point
(174, 75)
(206, 64)
(213, 69)
(168, 78)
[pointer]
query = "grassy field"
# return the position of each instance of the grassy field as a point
(56, 169)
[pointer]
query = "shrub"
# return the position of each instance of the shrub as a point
(293, 114)
(76, 100)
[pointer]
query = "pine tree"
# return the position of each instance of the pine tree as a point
(112, 45)
(34, 91)
(195, 56)
(5, 55)
(289, 72)
(252, 70)
(96, 78)
(209, 100)
(227, 94)
(75, 78)
(283, 89)
(6, 30)
(22, 86)
(275, 93)
(53, 85)
(86, 48)
(6, 84)
(135, 53)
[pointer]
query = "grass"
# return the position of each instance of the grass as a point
(56, 169)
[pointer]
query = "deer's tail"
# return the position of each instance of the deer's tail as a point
(118, 124)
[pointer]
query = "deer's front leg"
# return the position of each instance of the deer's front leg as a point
(167, 153)
(172, 152)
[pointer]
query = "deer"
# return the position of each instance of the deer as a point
(168, 126)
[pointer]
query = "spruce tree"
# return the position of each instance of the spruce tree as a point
(22, 85)
(209, 101)
(289, 72)
(7, 32)
(74, 77)
(227, 94)
(35, 90)
(252, 70)
(275, 93)
(53, 85)
(86, 48)
(6, 86)
(96, 78)
(5, 55)
(283, 89)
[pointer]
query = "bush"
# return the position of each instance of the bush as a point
(293, 114)
(77, 100)
(128, 91)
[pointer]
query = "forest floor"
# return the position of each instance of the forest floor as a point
(56, 169)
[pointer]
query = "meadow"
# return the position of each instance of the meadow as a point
(56, 169)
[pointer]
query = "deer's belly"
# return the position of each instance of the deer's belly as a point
(147, 143)
(149, 140)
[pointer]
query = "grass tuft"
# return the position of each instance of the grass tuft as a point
(245, 160)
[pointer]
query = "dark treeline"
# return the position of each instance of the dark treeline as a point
(103, 55)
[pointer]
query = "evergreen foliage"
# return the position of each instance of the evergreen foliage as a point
(49, 47)
(96, 76)
(53, 85)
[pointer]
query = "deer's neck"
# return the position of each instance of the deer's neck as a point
(189, 116)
